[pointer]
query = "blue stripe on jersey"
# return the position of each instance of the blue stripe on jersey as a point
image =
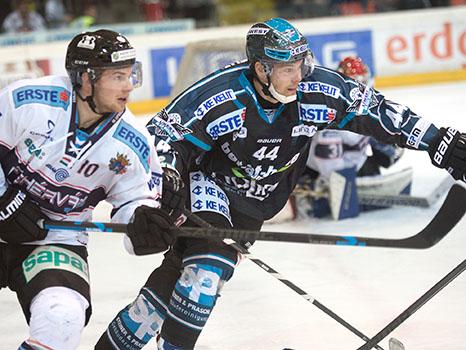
(250, 90)
(346, 119)
(194, 140)
(127, 134)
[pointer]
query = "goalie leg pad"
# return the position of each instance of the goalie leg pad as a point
(344, 201)
(58, 316)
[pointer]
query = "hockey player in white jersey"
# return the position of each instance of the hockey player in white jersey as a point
(67, 143)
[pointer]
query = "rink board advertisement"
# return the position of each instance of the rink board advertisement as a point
(328, 50)
(396, 46)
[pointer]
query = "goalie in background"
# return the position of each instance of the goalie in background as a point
(338, 157)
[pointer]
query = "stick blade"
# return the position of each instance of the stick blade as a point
(395, 344)
(450, 213)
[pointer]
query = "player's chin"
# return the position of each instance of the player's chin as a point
(120, 104)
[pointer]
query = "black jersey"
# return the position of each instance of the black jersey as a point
(256, 154)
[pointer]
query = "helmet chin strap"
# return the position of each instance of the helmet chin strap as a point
(269, 90)
(279, 97)
(90, 100)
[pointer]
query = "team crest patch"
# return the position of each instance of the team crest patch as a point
(165, 124)
(119, 164)
(364, 99)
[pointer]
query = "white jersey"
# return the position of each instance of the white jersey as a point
(66, 170)
(333, 150)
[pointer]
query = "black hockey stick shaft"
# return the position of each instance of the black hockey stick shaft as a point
(443, 222)
(446, 218)
(415, 306)
(245, 252)
(400, 199)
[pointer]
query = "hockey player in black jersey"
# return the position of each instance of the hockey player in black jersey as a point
(239, 139)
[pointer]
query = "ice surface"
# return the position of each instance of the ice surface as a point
(368, 287)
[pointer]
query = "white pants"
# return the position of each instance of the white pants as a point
(57, 319)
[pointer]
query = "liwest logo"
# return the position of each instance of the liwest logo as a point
(135, 140)
(316, 113)
(227, 123)
(60, 173)
(55, 96)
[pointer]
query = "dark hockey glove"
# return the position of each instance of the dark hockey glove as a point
(150, 231)
(173, 193)
(449, 151)
(19, 217)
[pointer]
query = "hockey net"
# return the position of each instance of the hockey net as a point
(204, 57)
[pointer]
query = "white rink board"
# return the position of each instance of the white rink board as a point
(368, 287)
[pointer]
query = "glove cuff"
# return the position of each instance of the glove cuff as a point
(441, 149)
(14, 199)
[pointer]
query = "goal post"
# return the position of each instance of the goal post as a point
(204, 57)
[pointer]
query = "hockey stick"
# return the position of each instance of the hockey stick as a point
(415, 306)
(445, 219)
(406, 200)
(245, 252)
(386, 200)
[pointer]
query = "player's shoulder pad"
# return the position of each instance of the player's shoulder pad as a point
(213, 90)
(327, 82)
(52, 91)
(137, 139)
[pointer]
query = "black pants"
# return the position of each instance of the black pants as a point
(16, 260)
(166, 292)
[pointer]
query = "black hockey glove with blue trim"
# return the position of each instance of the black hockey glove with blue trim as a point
(19, 218)
(150, 230)
(449, 151)
(173, 193)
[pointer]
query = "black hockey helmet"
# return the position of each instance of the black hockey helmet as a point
(92, 52)
(277, 41)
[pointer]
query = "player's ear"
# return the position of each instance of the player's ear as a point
(85, 81)
(260, 71)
